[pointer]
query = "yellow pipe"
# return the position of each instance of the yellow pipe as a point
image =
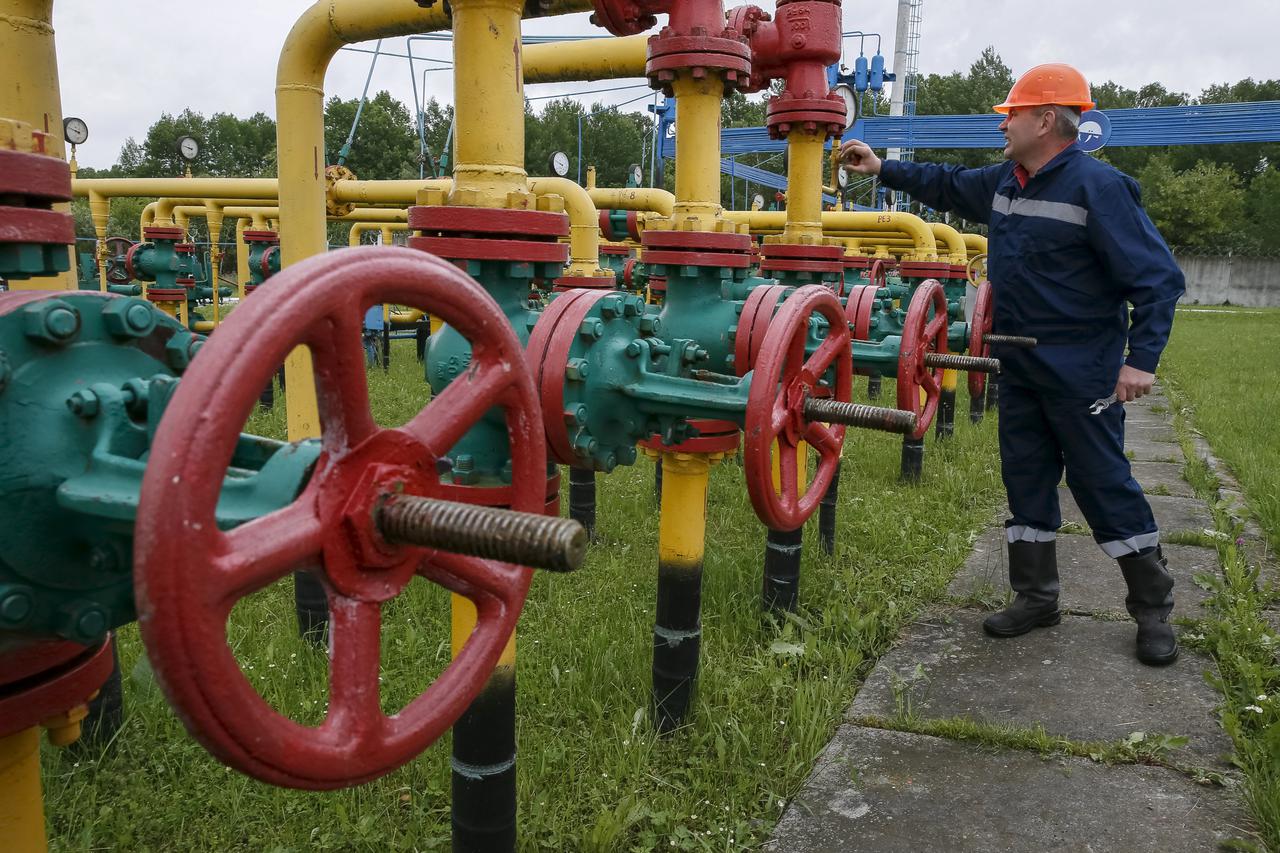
(584, 225)
(369, 193)
(21, 805)
(30, 94)
(589, 59)
(100, 212)
(219, 188)
(358, 229)
(954, 241)
(697, 159)
(976, 244)
(847, 220)
(242, 257)
(656, 201)
(804, 187)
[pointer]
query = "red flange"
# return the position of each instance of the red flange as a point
(798, 258)
(782, 381)
(924, 331)
(569, 282)
(260, 236)
(858, 309)
(264, 263)
(548, 353)
(470, 233)
(932, 269)
(697, 248)
(45, 678)
(753, 324)
(979, 328)
(162, 232)
(189, 573)
(712, 437)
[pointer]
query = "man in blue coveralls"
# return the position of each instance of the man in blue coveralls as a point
(1070, 245)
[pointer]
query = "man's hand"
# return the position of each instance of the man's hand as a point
(857, 156)
(1133, 383)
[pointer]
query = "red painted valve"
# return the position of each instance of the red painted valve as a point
(924, 332)
(979, 328)
(189, 573)
(784, 379)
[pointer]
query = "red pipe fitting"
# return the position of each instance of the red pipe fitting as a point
(797, 45)
(695, 39)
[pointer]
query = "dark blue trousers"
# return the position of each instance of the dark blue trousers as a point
(1042, 434)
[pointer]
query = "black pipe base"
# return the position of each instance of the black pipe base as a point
(312, 608)
(912, 459)
(827, 515)
(677, 643)
(873, 388)
(781, 591)
(977, 408)
(657, 480)
(582, 499)
(945, 424)
(421, 332)
(483, 813)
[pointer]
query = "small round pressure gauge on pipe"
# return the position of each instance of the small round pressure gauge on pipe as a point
(560, 163)
(637, 174)
(74, 130)
(845, 91)
(188, 148)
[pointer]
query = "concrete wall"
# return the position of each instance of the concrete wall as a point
(1217, 280)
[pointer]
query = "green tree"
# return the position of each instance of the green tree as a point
(385, 146)
(1262, 210)
(1198, 208)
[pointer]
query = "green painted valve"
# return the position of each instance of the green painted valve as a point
(84, 380)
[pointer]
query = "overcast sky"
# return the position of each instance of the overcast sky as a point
(124, 62)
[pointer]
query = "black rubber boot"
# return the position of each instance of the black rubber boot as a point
(1033, 574)
(1150, 601)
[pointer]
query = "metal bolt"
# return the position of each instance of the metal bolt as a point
(15, 606)
(951, 361)
(464, 463)
(858, 415)
(633, 349)
(610, 307)
(592, 328)
(576, 415)
(129, 318)
(607, 461)
(83, 403)
(539, 541)
(51, 320)
(632, 306)
(584, 444)
(576, 369)
(1011, 341)
(652, 325)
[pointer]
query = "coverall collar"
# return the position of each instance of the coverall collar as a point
(1058, 159)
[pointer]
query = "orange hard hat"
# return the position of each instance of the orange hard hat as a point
(1051, 83)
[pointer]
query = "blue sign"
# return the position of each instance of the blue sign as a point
(1095, 130)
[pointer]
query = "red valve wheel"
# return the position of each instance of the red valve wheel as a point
(117, 248)
(923, 332)
(783, 380)
(753, 325)
(979, 328)
(131, 271)
(189, 573)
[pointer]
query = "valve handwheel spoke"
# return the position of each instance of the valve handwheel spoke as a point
(924, 331)
(781, 382)
(979, 328)
(189, 574)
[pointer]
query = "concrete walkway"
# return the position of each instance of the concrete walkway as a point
(931, 754)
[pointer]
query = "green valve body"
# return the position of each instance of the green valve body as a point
(703, 304)
(84, 380)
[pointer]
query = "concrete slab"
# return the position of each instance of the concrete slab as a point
(1156, 400)
(1141, 450)
(1161, 478)
(1091, 581)
(1157, 431)
(1172, 513)
(1078, 680)
(892, 792)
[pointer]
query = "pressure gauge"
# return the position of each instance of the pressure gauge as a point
(842, 177)
(188, 148)
(845, 91)
(75, 130)
(560, 163)
(757, 202)
(637, 174)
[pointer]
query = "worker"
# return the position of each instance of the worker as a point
(1070, 245)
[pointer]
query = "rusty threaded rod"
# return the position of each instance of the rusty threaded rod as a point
(537, 541)
(954, 361)
(860, 415)
(1011, 341)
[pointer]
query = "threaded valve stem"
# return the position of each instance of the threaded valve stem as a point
(860, 415)
(954, 361)
(1011, 341)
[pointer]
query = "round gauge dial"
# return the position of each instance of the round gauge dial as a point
(188, 148)
(757, 201)
(75, 130)
(850, 103)
(560, 163)
(842, 178)
(637, 174)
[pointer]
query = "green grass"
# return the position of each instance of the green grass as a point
(1237, 419)
(592, 774)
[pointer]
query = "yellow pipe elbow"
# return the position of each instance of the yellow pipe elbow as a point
(976, 244)
(642, 199)
(584, 225)
(944, 233)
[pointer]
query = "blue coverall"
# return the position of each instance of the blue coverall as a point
(1068, 248)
